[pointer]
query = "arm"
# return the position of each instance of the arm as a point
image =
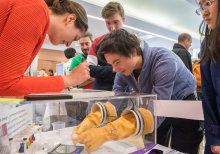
(210, 109)
(163, 78)
(119, 84)
(104, 72)
(92, 55)
(87, 82)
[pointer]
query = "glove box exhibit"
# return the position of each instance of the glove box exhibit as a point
(90, 122)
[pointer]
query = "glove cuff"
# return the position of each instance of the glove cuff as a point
(144, 120)
(148, 120)
(108, 111)
(139, 121)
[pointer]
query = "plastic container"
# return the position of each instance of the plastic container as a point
(58, 125)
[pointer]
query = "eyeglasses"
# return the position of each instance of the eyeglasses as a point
(204, 7)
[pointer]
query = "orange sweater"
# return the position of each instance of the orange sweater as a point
(23, 28)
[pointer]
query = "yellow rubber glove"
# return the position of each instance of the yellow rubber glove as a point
(121, 128)
(94, 119)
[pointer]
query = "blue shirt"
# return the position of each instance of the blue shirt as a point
(210, 74)
(163, 73)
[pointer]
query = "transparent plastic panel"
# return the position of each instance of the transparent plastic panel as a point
(53, 122)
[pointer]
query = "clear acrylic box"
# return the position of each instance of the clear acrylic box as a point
(67, 114)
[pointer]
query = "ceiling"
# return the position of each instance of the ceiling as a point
(159, 22)
(175, 15)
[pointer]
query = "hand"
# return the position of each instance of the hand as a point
(93, 120)
(92, 138)
(77, 76)
(215, 149)
(121, 128)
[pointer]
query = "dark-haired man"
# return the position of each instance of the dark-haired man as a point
(157, 71)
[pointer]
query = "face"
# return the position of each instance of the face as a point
(114, 22)
(210, 12)
(122, 64)
(64, 31)
(85, 44)
(188, 44)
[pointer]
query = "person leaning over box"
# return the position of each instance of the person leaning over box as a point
(23, 28)
(157, 71)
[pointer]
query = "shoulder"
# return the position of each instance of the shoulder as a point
(33, 13)
(162, 59)
(99, 39)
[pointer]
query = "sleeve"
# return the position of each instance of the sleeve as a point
(104, 72)
(92, 58)
(92, 55)
(75, 62)
(164, 75)
(212, 121)
(21, 38)
(119, 84)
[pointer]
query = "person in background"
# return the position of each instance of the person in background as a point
(23, 28)
(69, 53)
(113, 14)
(42, 73)
(210, 72)
(51, 72)
(181, 49)
(85, 44)
(154, 71)
(197, 74)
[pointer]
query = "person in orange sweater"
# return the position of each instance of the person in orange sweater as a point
(23, 28)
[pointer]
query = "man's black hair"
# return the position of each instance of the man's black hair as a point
(69, 53)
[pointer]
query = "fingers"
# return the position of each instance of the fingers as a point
(75, 130)
(215, 149)
(84, 67)
(91, 138)
(78, 75)
(85, 139)
(79, 138)
(75, 140)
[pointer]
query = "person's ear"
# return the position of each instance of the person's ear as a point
(134, 52)
(123, 19)
(71, 18)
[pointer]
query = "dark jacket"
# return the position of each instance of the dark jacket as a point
(184, 55)
(103, 73)
(163, 73)
(104, 76)
(210, 74)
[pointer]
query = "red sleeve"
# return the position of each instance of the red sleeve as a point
(95, 44)
(21, 35)
(92, 55)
